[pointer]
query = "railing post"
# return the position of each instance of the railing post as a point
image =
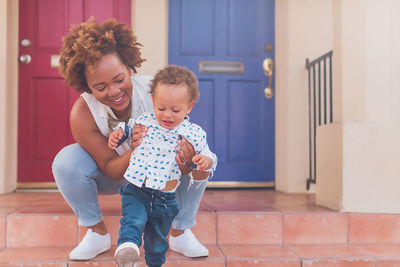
(313, 109)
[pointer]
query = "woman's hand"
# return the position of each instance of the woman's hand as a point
(138, 133)
(184, 155)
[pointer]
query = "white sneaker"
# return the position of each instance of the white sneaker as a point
(91, 245)
(188, 245)
(127, 254)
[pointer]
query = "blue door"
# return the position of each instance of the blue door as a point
(224, 42)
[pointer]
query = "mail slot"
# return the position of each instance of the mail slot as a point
(221, 67)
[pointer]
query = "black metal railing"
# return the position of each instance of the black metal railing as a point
(320, 104)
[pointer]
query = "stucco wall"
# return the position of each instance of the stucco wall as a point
(366, 81)
(8, 94)
(329, 165)
(303, 30)
(152, 32)
(371, 139)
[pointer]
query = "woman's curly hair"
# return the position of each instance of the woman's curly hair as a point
(177, 75)
(87, 42)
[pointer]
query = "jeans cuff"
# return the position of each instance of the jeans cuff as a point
(91, 221)
(183, 225)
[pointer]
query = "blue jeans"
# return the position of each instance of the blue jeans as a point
(80, 181)
(150, 213)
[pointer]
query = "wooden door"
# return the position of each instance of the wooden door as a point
(44, 100)
(225, 42)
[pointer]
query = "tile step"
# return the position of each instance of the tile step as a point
(224, 255)
(240, 228)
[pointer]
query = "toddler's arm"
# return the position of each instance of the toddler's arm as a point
(114, 138)
(203, 163)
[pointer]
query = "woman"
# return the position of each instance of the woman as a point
(98, 60)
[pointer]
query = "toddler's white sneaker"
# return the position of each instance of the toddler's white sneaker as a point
(91, 245)
(188, 245)
(127, 254)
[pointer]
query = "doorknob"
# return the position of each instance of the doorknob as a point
(25, 59)
(268, 66)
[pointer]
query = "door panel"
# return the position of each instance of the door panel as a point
(44, 100)
(239, 120)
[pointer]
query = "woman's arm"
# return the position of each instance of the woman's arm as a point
(87, 134)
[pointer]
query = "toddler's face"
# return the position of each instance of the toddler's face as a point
(171, 104)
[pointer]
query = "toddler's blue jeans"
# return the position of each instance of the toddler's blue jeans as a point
(150, 213)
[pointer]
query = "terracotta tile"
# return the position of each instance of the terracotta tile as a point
(41, 231)
(327, 228)
(205, 229)
(112, 223)
(300, 207)
(91, 263)
(339, 263)
(205, 207)
(388, 263)
(257, 251)
(238, 200)
(259, 255)
(263, 263)
(374, 228)
(329, 251)
(111, 208)
(60, 208)
(2, 231)
(23, 255)
(215, 258)
(44, 265)
(7, 210)
(195, 262)
(249, 228)
(383, 251)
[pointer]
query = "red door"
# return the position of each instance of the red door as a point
(44, 100)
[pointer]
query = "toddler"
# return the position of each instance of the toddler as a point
(148, 200)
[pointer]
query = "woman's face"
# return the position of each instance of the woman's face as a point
(110, 83)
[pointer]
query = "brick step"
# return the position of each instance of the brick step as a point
(240, 228)
(225, 255)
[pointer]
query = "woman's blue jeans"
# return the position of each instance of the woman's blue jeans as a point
(149, 213)
(80, 181)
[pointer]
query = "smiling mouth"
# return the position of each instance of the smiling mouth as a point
(119, 100)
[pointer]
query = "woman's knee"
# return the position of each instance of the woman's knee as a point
(70, 160)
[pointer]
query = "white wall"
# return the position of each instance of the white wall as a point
(303, 30)
(371, 143)
(150, 24)
(366, 79)
(8, 94)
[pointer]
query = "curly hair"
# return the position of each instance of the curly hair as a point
(87, 42)
(177, 75)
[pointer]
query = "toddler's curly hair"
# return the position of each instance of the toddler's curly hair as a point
(87, 42)
(177, 75)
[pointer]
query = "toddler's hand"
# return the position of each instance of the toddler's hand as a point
(114, 138)
(203, 162)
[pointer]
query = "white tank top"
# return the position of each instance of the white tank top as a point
(141, 102)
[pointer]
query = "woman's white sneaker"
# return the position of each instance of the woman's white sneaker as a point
(188, 245)
(127, 254)
(91, 245)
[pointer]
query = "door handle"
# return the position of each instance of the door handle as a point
(268, 66)
(25, 59)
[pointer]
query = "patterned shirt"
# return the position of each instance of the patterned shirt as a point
(154, 159)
